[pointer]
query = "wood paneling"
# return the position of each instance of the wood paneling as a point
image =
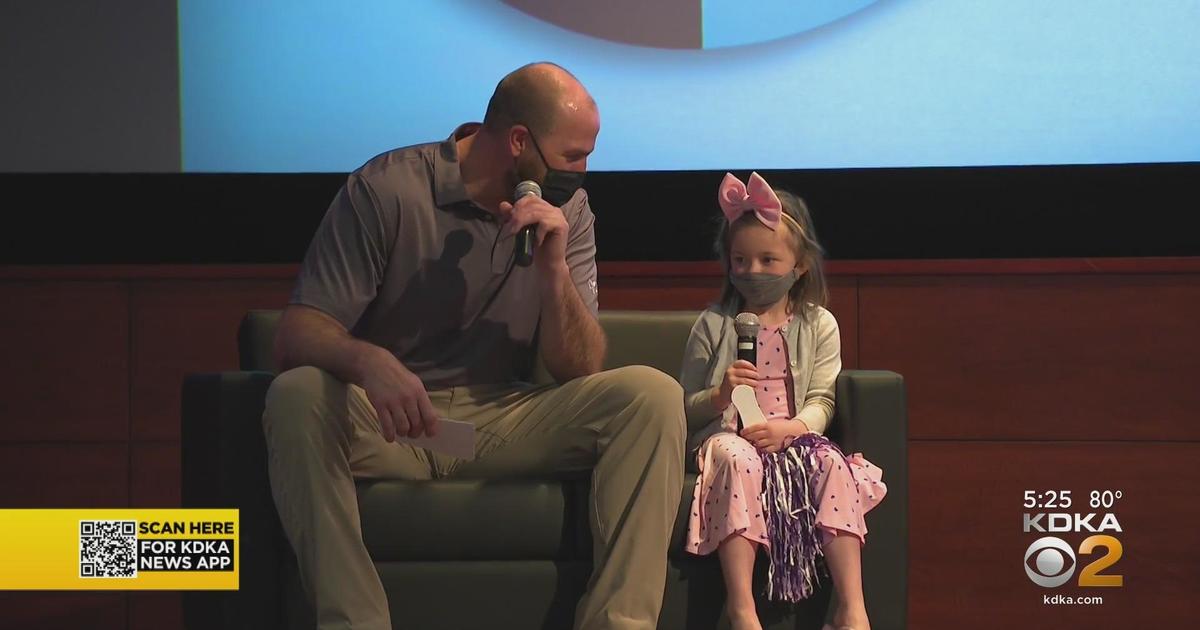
(1039, 357)
(149, 610)
(62, 475)
(65, 349)
(658, 294)
(184, 327)
(843, 303)
(56, 611)
(156, 479)
(967, 545)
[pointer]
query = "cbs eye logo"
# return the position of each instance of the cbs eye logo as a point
(1050, 562)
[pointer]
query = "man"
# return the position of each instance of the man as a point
(409, 307)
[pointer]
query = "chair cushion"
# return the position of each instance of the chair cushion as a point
(654, 338)
(470, 520)
(679, 536)
(487, 520)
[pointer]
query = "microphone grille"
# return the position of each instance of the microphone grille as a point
(528, 187)
(746, 325)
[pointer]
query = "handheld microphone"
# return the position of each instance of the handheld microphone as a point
(746, 325)
(523, 247)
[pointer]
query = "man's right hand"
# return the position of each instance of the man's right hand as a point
(398, 396)
(308, 336)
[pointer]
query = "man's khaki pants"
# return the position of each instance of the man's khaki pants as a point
(626, 425)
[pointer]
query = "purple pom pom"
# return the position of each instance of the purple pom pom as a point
(791, 513)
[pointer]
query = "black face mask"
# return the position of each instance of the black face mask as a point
(559, 186)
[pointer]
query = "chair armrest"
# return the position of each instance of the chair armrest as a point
(871, 417)
(224, 465)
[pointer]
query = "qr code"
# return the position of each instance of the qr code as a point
(108, 549)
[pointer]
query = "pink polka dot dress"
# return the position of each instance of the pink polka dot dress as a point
(726, 501)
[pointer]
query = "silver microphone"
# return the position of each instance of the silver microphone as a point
(527, 187)
(746, 325)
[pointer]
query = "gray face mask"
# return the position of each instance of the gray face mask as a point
(763, 289)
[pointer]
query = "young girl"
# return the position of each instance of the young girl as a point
(779, 483)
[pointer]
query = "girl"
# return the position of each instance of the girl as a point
(779, 483)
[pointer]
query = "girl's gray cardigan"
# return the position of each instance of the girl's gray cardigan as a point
(814, 361)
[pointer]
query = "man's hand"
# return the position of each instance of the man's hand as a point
(398, 396)
(570, 339)
(773, 436)
(550, 246)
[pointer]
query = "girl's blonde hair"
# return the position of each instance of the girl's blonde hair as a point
(810, 290)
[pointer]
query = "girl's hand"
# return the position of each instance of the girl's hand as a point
(741, 372)
(774, 435)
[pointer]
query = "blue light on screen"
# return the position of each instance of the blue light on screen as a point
(309, 86)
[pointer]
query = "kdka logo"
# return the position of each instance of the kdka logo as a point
(1051, 562)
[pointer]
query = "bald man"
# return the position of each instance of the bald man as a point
(410, 306)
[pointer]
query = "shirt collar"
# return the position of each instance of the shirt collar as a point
(448, 187)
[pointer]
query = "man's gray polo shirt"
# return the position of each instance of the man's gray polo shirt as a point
(405, 261)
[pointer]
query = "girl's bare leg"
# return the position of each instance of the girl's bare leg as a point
(737, 565)
(843, 556)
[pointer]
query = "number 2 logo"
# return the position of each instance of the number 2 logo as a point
(1050, 561)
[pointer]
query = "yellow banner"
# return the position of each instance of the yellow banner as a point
(119, 549)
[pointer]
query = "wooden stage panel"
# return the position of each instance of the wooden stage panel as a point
(966, 543)
(1039, 357)
(65, 349)
(63, 475)
(184, 327)
(52, 610)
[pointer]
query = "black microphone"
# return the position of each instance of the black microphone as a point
(523, 247)
(746, 326)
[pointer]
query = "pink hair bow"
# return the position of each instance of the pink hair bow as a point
(737, 199)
